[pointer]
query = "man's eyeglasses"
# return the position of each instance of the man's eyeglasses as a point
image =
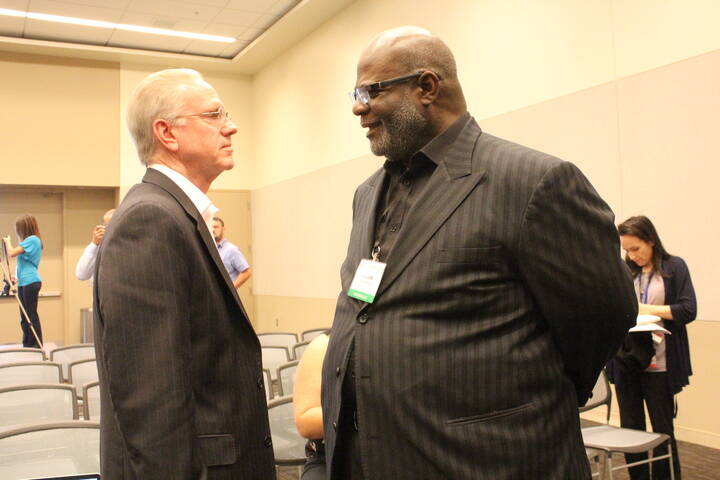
(219, 114)
(365, 92)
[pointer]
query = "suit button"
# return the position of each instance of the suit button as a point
(337, 372)
(362, 319)
(335, 426)
(260, 383)
(268, 441)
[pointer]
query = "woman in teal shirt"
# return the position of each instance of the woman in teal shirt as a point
(28, 253)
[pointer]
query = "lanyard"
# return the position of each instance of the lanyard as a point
(644, 293)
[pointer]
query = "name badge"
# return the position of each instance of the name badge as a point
(367, 280)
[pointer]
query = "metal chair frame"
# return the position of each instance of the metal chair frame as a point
(650, 441)
(23, 350)
(308, 335)
(282, 368)
(47, 386)
(44, 364)
(286, 462)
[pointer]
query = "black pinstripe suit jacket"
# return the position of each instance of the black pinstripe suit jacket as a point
(502, 299)
(179, 362)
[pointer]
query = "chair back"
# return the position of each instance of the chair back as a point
(267, 381)
(91, 401)
(286, 377)
(40, 403)
(25, 373)
(288, 445)
(278, 339)
(81, 372)
(308, 335)
(50, 450)
(299, 349)
(16, 355)
(273, 357)
(601, 395)
(72, 353)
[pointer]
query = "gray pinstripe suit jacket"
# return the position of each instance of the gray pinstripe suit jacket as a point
(179, 362)
(502, 299)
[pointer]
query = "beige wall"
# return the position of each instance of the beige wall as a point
(58, 113)
(625, 89)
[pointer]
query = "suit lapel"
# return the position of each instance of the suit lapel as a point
(447, 188)
(157, 178)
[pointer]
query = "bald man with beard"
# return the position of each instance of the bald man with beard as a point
(483, 290)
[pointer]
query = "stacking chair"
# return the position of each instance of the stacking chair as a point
(286, 377)
(278, 339)
(81, 372)
(288, 445)
(308, 335)
(50, 449)
(71, 353)
(611, 440)
(273, 357)
(91, 401)
(39, 403)
(25, 373)
(268, 384)
(299, 349)
(15, 355)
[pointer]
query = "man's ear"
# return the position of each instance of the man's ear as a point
(430, 87)
(162, 129)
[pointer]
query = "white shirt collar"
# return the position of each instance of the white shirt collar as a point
(196, 196)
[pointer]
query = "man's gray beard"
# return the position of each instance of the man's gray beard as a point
(402, 134)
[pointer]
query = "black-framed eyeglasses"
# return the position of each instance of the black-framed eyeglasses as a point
(364, 92)
(219, 114)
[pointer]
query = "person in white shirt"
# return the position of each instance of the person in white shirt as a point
(86, 264)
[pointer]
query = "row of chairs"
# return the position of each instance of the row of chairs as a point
(73, 447)
(62, 355)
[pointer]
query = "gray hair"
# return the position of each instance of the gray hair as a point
(157, 96)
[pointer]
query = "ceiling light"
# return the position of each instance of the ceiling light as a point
(118, 26)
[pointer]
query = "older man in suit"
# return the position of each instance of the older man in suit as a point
(483, 290)
(180, 365)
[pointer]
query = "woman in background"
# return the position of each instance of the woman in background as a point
(308, 413)
(664, 288)
(28, 253)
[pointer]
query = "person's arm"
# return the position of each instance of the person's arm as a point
(86, 264)
(142, 286)
(683, 310)
(570, 261)
(306, 394)
(242, 277)
(13, 251)
(240, 264)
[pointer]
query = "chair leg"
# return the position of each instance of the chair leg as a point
(672, 465)
(609, 467)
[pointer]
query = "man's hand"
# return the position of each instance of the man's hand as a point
(98, 234)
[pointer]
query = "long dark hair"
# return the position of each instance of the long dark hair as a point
(641, 227)
(26, 226)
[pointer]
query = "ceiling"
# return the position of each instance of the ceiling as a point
(262, 29)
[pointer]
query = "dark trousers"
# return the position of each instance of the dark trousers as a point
(652, 388)
(28, 296)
